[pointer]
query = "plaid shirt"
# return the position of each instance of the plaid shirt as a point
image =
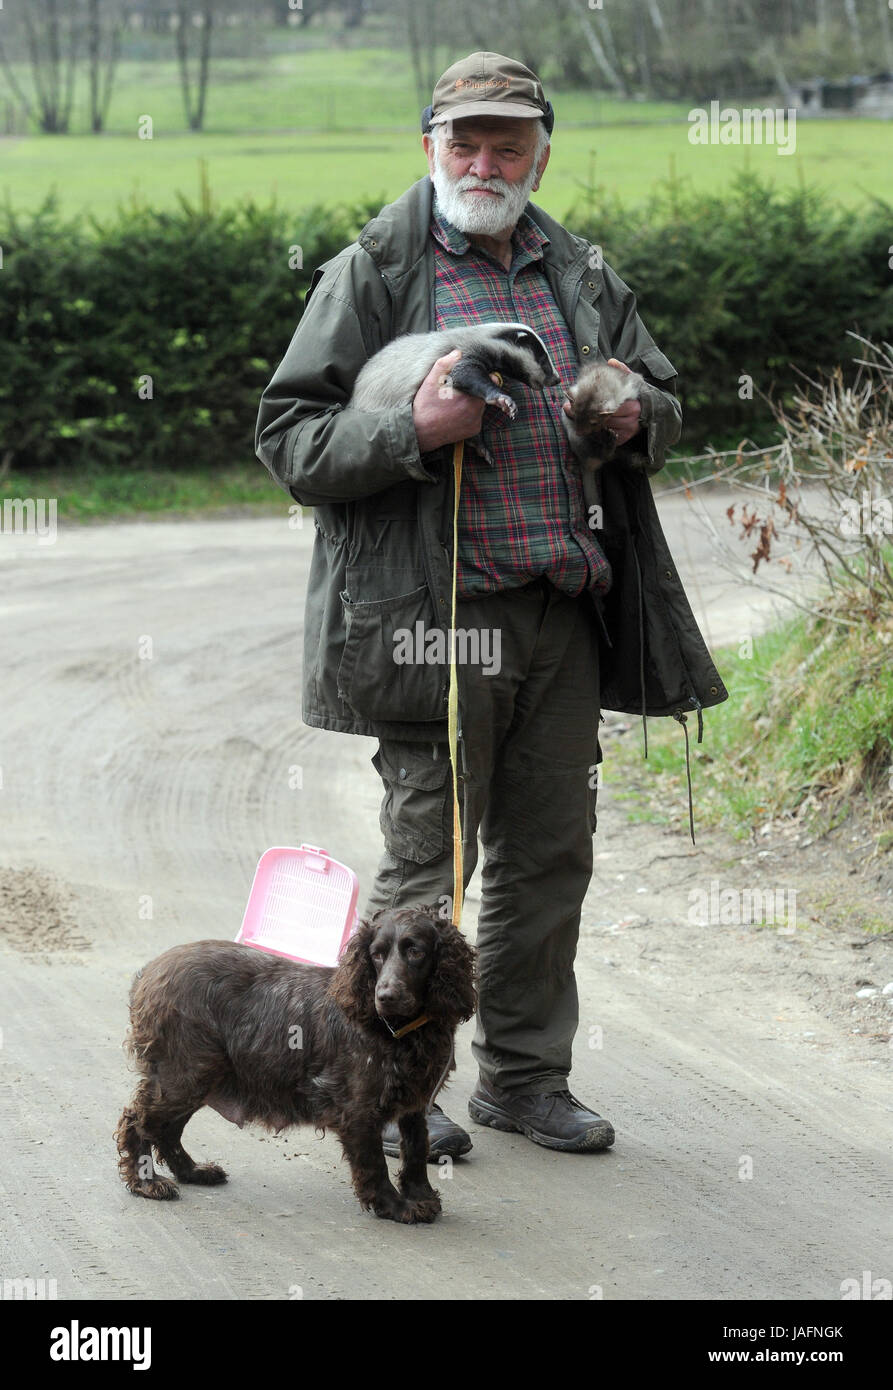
(525, 516)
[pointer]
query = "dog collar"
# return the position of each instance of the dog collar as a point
(407, 1027)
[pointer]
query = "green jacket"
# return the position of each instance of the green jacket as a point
(382, 553)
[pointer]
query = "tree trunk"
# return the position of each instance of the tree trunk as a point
(476, 25)
(182, 43)
(94, 43)
(41, 77)
(613, 77)
(102, 74)
(657, 18)
(852, 19)
(886, 42)
(195, 111)
(642, 49)
(52, 71)
(204, 63)
(14, 85)
(821, 23)
(70, 72)
(110, 68)
(415, 49)
(53, 75)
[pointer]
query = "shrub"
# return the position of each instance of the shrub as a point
(202, 303)
(751, 281)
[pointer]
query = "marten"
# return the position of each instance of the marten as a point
(600, 390)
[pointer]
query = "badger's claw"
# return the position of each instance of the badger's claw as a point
(503, 402)
(480, 447)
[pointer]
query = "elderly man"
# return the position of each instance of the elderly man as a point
(564, 571)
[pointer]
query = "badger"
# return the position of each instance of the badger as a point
(599, 391)
(392, 376)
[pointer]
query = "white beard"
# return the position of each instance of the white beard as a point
(469, 213)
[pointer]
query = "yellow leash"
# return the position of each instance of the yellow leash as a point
(453, 722)
(453, 702)
(453, 706)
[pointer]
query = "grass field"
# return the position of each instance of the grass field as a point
(325, 126)
(321, 88)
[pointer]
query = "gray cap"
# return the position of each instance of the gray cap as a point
(487, 84)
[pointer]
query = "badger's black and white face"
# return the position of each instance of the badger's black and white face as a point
(393, 375)
(524, 356)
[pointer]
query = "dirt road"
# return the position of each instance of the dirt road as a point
(150, 735)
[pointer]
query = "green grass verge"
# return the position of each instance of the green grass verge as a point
(809, 719)
(117, 494)
(145, 494)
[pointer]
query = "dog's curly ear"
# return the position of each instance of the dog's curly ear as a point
(451, 993)
(353, 984)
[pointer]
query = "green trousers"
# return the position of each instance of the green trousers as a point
(529, 714)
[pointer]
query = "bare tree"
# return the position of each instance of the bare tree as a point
(657, 18)
(51, 34)
(13, 82)
(104, 50)
(420, 18)
(611, 73)
(666, 43)
(855, 28)
(821, 24)
(354, 13)
(884, 17)
(473, 20)
(194, 93)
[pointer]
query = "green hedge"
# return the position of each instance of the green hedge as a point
(204, 303)
(752, 280)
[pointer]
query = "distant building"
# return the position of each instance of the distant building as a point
(860, 96)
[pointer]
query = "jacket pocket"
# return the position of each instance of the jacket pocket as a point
(657, 364)
(383, 673)
(416, 813)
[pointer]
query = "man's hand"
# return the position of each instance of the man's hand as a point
(443, 415)
(625, 420)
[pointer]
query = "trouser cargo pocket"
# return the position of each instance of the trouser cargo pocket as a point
(383, 672)
(416, 812)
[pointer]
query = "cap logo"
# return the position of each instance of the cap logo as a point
(479, 86)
